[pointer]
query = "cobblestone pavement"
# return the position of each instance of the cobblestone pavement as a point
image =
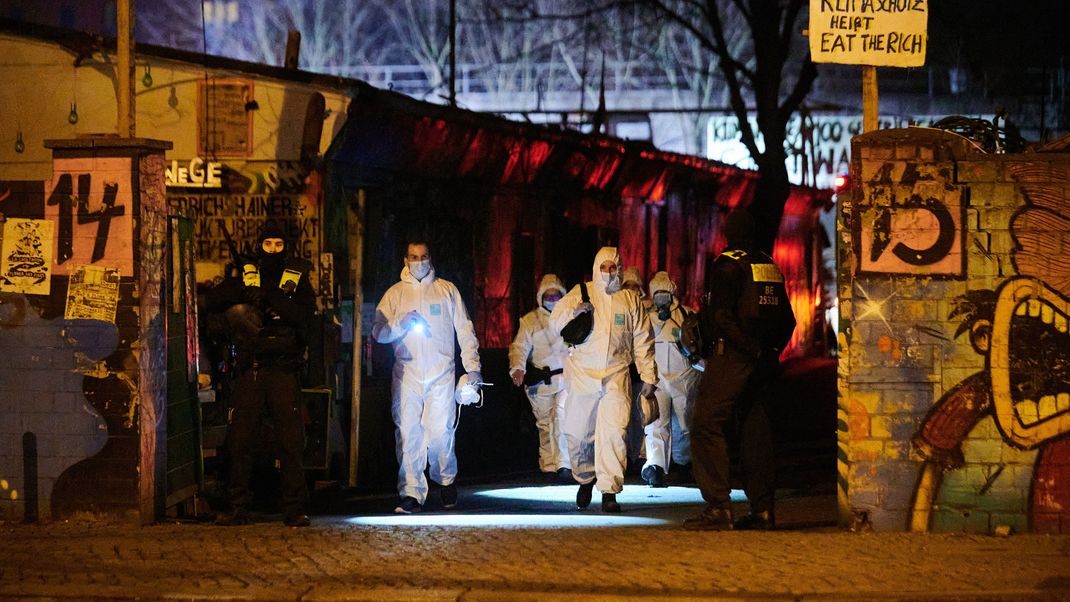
(339, 558)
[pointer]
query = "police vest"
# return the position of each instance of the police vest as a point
(277, 339)
(764, 299)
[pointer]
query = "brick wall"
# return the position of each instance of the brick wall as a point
(954, 385)
(76, 351)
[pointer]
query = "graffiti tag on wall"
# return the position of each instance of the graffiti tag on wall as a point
(244, 215)
(1020, 329)
(911, 220)
(819, 144)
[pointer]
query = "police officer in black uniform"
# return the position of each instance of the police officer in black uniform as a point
(269, 310)
(745, 322)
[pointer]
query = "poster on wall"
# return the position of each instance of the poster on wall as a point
(93, 294)
(225, 123)
(327, 278)
(26, 262)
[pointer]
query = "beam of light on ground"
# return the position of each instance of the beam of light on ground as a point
(631, 496)
(572, 519)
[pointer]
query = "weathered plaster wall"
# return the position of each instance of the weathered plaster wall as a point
(954, 402)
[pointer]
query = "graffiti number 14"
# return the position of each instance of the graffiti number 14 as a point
(64, 196)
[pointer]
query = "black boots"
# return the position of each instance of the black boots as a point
(564, 476)
(449, 495)
(296, 520)
(232, 518)
(711, 519)
(756, 521)
(654, 476)
(609, 503)
(583, 496)
(408, 505)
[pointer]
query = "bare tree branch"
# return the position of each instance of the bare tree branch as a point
(787, 29)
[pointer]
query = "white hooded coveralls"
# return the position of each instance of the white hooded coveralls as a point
(423, 406)
(596, 374)
(535, 340)
(677, 388)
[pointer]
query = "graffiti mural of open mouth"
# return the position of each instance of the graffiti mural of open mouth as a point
(1030, 362)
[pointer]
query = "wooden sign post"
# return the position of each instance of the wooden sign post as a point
(871, 33)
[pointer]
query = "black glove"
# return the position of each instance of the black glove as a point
(255, 295)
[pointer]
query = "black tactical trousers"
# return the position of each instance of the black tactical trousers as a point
(731, 401)
(277, 389)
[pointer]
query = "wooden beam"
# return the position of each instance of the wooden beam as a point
(356, 270)
(869, 98)
(125, 75)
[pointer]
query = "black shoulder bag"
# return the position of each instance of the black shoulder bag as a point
(579, 328)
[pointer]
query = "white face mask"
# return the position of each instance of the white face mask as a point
(612, 281)
(419, 269)
(549, 305)
(662, 299)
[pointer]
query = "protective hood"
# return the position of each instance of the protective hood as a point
(604, 254)
(631, 275)
(662, 282)
(548, 282)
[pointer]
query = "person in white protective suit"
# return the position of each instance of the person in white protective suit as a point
(632, 280)
(677, 387)
(536, 343)
(596, 374)
(421, 316)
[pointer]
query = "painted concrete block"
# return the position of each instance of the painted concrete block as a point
(906, 151)
(977, 171)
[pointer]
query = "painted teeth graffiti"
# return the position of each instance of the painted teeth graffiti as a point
(990, 343)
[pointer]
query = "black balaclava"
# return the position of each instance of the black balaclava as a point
(739, 230)
(271, 263)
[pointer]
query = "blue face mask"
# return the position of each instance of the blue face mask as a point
(420, 269)
(550, 299)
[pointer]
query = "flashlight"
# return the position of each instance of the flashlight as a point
(421, 327)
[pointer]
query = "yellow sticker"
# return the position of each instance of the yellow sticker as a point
(766, 272)
(250, 275)
(289, 280)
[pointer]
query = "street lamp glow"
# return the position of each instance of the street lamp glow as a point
(632, 496)
(566, 519)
